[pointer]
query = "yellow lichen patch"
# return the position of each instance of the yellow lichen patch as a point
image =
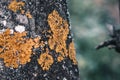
(57, 41)
(45, 60)
(15, 49)
(28, 15)
(18, 6)
(37, 41)
(60, 30)
(60, 58)
(72, 53)
(22, 11)
(15, 6)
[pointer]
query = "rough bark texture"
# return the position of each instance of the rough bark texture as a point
(35, 41)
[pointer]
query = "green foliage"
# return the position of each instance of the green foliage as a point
(88, 20)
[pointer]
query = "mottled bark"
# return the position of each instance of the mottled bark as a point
(35, 41)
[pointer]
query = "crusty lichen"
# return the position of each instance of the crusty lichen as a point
(45, 60)
(57, 41)
(15, 49)
(15, 6)
(60, 30)
(60, 58)
(72, 53)
(18, 6)
(28, 15)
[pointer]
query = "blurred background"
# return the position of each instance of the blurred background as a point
(88, 21)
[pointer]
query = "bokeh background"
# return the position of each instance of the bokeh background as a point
(88, 21)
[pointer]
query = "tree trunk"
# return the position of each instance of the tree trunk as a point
(35, 41)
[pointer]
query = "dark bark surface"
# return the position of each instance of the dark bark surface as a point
(33, 17)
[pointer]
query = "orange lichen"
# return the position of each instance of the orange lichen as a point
(15, 6)
(57, 41)
(72, 53)
(15, 49)
(22, 11)
(60, 58)
(60, 30)
(18, 6)
(37, 41)
(45, 60)
(28, 15)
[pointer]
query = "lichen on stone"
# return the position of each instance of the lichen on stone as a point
(28, 14)
(45, 60)
(60, 30)
(15, 49)
(60, 58)
(15, 6)
(72, 53)
(18, 6)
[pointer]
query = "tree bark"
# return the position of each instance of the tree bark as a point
(35, 41)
